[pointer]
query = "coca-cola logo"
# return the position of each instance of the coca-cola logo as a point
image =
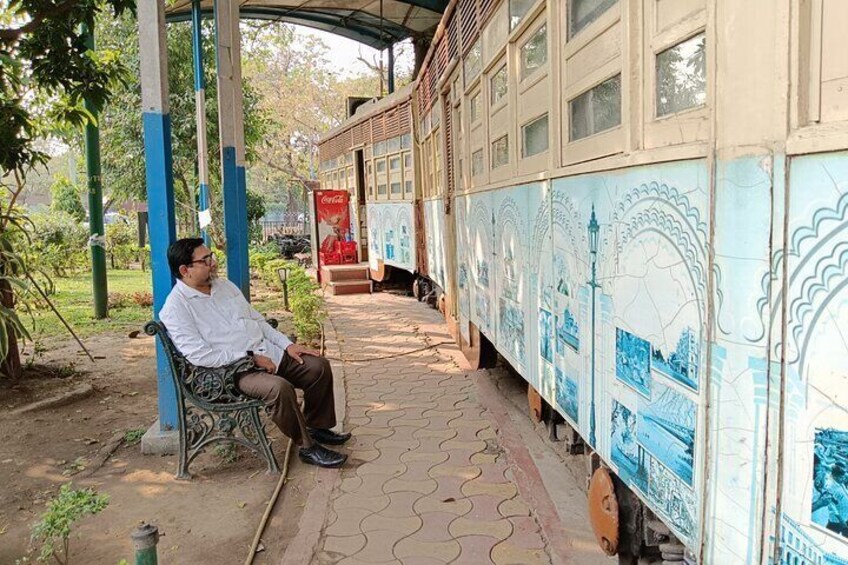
(338, 199)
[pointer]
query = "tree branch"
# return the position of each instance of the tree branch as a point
(10, 35)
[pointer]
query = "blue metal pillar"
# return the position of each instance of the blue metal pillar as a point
(231, 132)
(153, 56)
(200, 106)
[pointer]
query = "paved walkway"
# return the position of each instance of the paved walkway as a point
(428, 480)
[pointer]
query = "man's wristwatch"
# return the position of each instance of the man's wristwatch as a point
(250, 353)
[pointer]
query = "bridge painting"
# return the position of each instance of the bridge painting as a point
(666, 428)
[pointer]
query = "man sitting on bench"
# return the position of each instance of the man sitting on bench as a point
(212, 325)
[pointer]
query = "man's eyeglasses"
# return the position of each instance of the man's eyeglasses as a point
(206, 259)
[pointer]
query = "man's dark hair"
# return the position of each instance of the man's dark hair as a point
(181, 252)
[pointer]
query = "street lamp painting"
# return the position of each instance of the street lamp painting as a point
(594, 230)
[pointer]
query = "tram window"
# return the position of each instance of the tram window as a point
(381, 189)
(379, 148)
(477, 163)
(406, 141)
(394, 163)
(534, 137)
(407, 161)
(500, 152)
(681, 76)
(534, 53)
(596, 110)
(396, 188)
(581, 13)
(473, 63)
(381, 165)
(407, 188)
(517, 10)
(474, 112)
(394, 145)
(499, 86)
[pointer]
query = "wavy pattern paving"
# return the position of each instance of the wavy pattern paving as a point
(427, 482)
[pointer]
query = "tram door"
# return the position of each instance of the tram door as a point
(359, 203)
(453, 166)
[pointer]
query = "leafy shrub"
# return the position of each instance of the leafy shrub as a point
(304, 301)
(53, 531)
(258, 259)
(269, 272)
(65, 197)
(122, 244)
(59, 243)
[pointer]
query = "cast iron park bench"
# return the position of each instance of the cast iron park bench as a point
(210, 407)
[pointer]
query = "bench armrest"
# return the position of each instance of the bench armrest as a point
(217, 385)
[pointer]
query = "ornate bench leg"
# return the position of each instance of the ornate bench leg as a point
(264, 443)
(182, 465)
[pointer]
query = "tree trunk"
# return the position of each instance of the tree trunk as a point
(11, 365)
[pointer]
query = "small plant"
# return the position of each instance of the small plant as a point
(142, 298)
(38, 350)
(53, 531)
(132, 437)
(227, 452)
(66, 371)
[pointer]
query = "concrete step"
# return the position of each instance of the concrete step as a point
(330, 273)
(348, 287)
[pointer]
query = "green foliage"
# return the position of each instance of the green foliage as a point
(132, 437)
(46, 71)
(227, 452)
(14, 285)
(53, 531)
(304, 300)
(65, 197)
(258, 259)
(255, 212)
(121, 131)
(122, 243)
(59, 243)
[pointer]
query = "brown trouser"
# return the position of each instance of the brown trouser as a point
(314, 378)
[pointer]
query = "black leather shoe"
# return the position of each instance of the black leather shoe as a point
(321, 456)
(328, 437)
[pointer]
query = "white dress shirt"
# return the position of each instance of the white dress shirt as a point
(216, 329)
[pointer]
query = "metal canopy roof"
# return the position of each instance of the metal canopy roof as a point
(359, 20)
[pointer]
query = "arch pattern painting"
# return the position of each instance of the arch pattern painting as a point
(391, 233)
(815, 476)
(631, 247)
(510, 277)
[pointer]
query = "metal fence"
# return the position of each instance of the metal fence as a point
(283, 227)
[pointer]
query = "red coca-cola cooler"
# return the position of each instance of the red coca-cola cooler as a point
(335, 242)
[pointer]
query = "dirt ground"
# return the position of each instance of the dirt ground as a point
(210, 519)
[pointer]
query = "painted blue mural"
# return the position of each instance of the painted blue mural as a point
(405, 245)
(390, 245)
(671, 498)
(633, 361)
(624, 451)
(830, 481)
(391, 233)
(682, 363)
(483, 272)
(666, 428)
(568, 332)
(546, 335)
(567, 395)
(511, 329)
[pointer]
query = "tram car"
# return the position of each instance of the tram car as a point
(642, 206)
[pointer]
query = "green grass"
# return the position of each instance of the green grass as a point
(74, 299)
